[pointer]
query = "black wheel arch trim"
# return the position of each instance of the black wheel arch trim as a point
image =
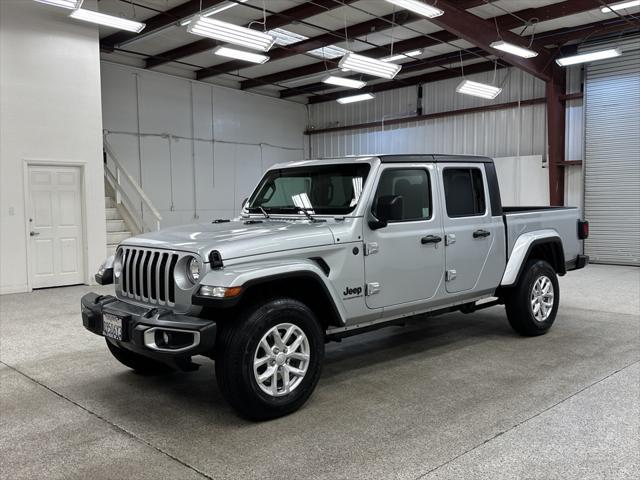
(557, 242)
(232, 302)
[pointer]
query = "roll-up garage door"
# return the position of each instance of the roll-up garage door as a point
(612, 156)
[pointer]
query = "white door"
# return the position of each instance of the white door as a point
(55, 226)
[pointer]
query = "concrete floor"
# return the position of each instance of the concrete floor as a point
(460, 396)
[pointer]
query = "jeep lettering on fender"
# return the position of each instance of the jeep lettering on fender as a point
(352, 292)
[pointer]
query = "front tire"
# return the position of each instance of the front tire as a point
(532, 304)
(268, 361)
(139, 363)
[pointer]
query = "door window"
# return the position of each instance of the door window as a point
(413, 185)
(464, 192)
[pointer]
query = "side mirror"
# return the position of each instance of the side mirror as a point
(389, 208)
(105, 272)
(244, 202)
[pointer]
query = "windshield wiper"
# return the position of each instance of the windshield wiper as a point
(266, 215)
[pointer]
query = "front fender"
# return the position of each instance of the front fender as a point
(263, 272)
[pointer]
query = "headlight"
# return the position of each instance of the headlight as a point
(193, 270)
(117, 264)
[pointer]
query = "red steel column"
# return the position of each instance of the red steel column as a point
(555, 91)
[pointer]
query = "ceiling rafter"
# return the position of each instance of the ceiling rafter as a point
(505, 22)
(482, 33)
(555, 37)
(300, 48)
(352, 31)
(159, 22)
(276, 20)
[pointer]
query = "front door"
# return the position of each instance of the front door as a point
(468, 227)
(55, 226)
(404, 261)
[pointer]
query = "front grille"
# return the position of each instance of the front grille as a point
(148, 275)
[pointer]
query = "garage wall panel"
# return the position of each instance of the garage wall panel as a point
(197, 149)
(513, 132)
(612, 162)
(50, 113)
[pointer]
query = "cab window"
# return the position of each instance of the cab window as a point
(413, 185)
(464, 192)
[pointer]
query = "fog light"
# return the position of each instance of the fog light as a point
(219, 292)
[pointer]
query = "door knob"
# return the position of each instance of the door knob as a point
(430, 239)
(34, 234)
(481, 233)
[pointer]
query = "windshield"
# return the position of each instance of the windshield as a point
(323, 190)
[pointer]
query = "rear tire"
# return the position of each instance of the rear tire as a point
(139, 363)
(532, 304)
(268, 361)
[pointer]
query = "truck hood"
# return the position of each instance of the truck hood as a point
(237, 238)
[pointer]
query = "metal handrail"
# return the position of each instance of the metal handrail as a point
(115, 178)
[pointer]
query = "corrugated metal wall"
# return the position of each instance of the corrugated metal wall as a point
(612, 163)
(503, 133)
(514, 132)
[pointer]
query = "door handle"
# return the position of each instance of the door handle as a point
(34, 234)
(430, 239)
(481, 233)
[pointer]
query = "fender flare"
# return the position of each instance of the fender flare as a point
(521, 250)
(248, 276)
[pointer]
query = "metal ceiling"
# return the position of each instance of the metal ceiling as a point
(372, 27)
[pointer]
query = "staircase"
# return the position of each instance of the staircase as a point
(129, 211)
(116, 227)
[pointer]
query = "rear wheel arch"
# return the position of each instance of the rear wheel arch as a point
(548, 249)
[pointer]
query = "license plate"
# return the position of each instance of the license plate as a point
(112, 326)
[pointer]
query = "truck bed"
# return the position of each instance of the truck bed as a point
(563, 220)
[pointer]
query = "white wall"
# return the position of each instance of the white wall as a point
(50, 112)
(197, 149)
(518, 132)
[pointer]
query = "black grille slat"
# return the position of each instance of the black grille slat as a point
(139, 273)
(154, 276)
(145, 274)
(125, 256)
(163, 270)
(172, 284)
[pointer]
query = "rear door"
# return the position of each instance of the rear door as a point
(401, 267)
(468, 227)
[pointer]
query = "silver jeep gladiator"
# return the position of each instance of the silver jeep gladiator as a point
(322, 250)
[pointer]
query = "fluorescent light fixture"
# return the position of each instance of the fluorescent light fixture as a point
(620, 6)
(230, 33)
(285, 37)
(330, 52)
(589, 57)
(240, 55)
(401, 56)
(212, 11)
(107, 20)
(356, 98)
(370, 66)
(514, 49)
(344, 82)
(418, 7)
(70, 4)
(478, 89)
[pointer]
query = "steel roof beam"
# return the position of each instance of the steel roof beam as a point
(554, 37)
(505, 22)
(159, 22)
(280, 19)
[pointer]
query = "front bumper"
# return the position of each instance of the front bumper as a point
(143, 326)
